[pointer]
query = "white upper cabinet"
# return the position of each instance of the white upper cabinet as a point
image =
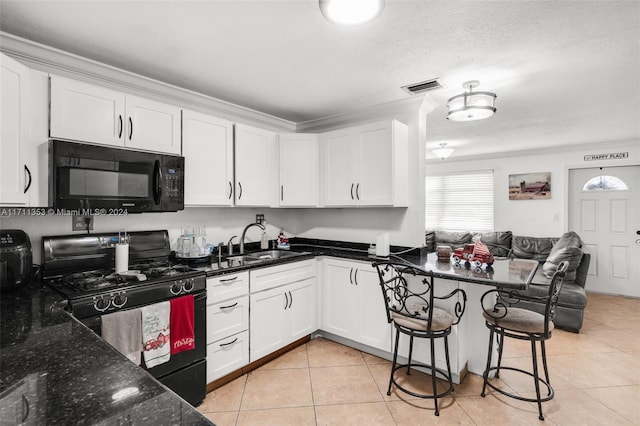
(23, 137)
(298, 169)
(207, 147)
(152, 126)
(14, 98)
(255, 166)
(88, 113)
(366, 165)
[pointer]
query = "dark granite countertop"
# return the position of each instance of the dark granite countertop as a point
(506, 273)
(54, 370)
(57, 371)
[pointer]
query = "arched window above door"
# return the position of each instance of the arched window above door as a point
(605, 183)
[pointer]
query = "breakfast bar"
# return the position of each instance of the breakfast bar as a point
(468, 340)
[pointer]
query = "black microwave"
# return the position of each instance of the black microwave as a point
(92, 179)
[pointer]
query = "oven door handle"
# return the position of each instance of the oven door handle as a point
(157, 182)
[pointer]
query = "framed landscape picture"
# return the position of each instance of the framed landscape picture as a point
(530, 186)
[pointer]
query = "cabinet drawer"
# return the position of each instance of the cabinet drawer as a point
(227, 355)
(225, 287)
(264, 279)
(227, 318)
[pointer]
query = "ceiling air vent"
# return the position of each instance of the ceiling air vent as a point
(423, 86)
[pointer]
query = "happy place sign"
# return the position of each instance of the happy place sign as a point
(610, 156)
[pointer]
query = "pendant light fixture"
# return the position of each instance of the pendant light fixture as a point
(470, 105)
(443, 152)
(351, 12)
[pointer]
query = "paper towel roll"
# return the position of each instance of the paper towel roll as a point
(122, 257)
(382, 245)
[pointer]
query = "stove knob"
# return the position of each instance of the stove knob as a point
(119, 300)
(188, 285)
(101, 305)
(176, 288)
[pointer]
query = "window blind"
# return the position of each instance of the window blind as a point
(460, 202)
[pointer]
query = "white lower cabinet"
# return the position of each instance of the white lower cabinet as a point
(283, 306)
(353, 303)
(227, 324)
(227, 318)
(227, 355)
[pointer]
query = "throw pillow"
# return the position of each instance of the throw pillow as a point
(569, 248)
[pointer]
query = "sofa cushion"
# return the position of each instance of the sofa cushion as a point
(499, 243)
(535, 248)
(571, 296)
(569, 248)
(452, 239)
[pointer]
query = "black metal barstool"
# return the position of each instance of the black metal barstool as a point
(409, 299)
(505, 319)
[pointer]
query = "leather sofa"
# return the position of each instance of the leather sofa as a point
(549, 252)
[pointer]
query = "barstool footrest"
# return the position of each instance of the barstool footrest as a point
(518, 397)
(439, 371)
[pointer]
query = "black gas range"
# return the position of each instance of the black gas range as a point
(82, 269)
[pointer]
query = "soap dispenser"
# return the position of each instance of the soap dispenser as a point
(264, 241)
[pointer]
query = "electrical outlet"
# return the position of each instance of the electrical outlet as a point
(82, 223)
(260, 219)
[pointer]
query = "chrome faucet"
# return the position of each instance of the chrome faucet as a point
(244, 232)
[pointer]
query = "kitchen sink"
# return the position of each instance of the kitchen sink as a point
(262, 256)
(272, 254)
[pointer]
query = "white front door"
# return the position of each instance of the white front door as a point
(604, 209)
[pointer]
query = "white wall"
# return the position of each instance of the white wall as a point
(537, 218)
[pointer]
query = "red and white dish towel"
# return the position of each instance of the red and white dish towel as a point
(182, 320)
(156, 333)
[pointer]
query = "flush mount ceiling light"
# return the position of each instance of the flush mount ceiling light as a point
(443, 152)
(470, 105)
(351, 12)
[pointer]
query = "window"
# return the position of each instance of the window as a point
(605, 183)
(460, 202)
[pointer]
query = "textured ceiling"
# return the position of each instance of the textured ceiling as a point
(565, 72)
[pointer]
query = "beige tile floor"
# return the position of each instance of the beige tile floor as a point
(595, 374)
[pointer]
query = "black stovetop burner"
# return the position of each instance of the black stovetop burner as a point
(103, 279)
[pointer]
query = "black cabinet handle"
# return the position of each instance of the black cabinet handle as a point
(286, 301)
(229, 343)
(358, 191)
(281, 192)
(229, 307)
(230, 189)
(351, 276)
(240, 194)
(130, 128)
(352, 191)
(290, 300)
(355, 279)
(121, 125)
(26, 169)
(226, 280)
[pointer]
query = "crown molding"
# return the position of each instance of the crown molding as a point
(370, 113)
(60, 62)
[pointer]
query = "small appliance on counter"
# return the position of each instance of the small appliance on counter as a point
(192, 248)
(16, 259)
